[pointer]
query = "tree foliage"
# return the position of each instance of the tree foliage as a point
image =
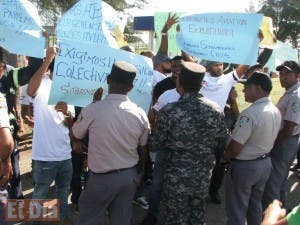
(50, 10)
(286, 19)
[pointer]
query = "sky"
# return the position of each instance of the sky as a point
(199, 6)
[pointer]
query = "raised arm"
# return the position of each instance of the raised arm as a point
(36, 79)
(163, 48)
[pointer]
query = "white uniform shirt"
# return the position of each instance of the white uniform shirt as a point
(116, 127)
(289, 106)
(51, 141)
(257, 128)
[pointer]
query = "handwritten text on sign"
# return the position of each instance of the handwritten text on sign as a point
(80, 70)
(20, 28)
(84, 22)
(223, 37)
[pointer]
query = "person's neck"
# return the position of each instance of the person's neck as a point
(215, 75)
(118, 92)
(287, 88)
(260, 97)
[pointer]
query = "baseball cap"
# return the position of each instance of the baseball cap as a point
(290, 66)
(160, 58)
(261, 79)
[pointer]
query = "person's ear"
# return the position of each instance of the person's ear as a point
(130, 87)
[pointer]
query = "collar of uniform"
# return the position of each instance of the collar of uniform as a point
(189, 95)
(117, 97)
(293, 88)
(264, 99)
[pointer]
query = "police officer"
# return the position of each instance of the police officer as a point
(6, 148)
(117, 129)
(187, 137)
(252, 140)
(286, 145)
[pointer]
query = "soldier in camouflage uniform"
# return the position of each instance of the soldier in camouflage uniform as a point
(190, 130)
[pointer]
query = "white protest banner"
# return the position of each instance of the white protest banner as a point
(85, 23)
(81, 69)
(222, 37)
(21, 28)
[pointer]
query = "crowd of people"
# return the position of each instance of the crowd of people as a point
(192, 134)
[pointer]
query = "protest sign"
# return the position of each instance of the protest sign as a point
(81, 69)
(160, 19)
(21, 28)
(269, 39)
(85, 23)
(222, 37)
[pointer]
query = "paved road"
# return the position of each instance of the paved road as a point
(215, 213)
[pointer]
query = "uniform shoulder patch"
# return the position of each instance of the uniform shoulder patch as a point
(244, 120)
(296, 107)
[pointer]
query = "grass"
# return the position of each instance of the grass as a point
(275, 95)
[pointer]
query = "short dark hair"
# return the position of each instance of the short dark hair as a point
(191, 76)
(190, 83)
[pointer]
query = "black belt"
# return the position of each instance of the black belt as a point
(258, 158)
(113, 171)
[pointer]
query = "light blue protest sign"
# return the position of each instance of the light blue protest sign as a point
(222, 37)
(21, 28)
(81, 69)
(86, 22)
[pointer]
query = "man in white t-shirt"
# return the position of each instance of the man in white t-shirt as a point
(216, 87)
(51, 149)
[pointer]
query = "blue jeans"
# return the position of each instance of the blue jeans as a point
(157, 185)
(44, 173)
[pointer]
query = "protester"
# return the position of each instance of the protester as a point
(117, 130)
(248, 150)
(51, 149)
(286, 144)
(6, 148)
(216, 86)
(161, 61)
(186, 136)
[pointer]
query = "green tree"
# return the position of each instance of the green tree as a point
(50, 10)
(286, 19)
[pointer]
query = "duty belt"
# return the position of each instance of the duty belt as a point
(258, 158)
(113, 171)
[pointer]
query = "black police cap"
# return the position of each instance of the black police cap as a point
(261, 79)
(290, 66)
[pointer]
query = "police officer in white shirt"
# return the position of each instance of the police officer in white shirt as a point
(252, 140)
